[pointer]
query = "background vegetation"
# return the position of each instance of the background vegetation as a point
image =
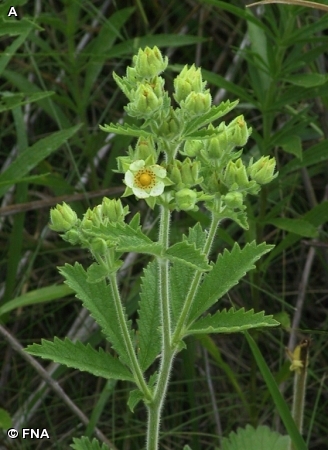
(56, 87)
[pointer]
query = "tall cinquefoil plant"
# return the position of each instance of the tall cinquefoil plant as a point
(179, 161)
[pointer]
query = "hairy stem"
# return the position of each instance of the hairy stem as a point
(195, 283)
(135, 367)
(167, 354)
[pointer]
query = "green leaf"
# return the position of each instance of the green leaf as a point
(279, 401)
(135, 397)
(14, 27)
(125, 129)
(128, 238)
(41, 295)
(84, 443)
(97, 50)
(298, 226)
(10, 101)
(292, 145)
(213, 114)
(27, 160)
(188, 254)
(149, 344)
(229, 268)
(180, 271)
(82, 357)
(98, 299)
(5, 420)
(231, 321)
(97, 272)
(307, 80)
(259, 438)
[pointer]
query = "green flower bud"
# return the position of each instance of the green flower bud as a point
(234, 199)
(73, 237)
(185, 174)
(112, 210)
(145, 150)
(192, 147)
(149, 62)
(188, 80)
(186, 199)
(145, 102)
(88, 220)
(170, 127)
(197, 103)
(63, 218)
(238, 131)
(235, 175)
(263, 170)
(98, 246)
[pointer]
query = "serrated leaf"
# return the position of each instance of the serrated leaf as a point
(180, 271)
(98, 273)
(213, 114)
(125, 130)
(84, 443)
(231, 321)
(256, 439)
(83, 357)
(229, 268)
(149, 337)
(188, 254)
(129, 239)
(135, 397)
(98, 299)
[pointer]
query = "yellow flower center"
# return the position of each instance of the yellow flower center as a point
(145, 178)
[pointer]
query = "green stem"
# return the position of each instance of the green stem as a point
(135, 367)
(167, 355)
(195, 283)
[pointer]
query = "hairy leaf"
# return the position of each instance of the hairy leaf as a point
(229, 268)
(231, 321)
(188, 254)
(82, 357)
(84, 443)
(149, 337)
(125, 129)
(98, 299)
(181, 275)
(213, 114)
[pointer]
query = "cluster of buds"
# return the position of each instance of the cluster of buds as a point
(63, 219)
(168, 166)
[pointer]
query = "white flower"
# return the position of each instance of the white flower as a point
(145, 181)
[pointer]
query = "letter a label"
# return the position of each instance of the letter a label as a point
(12, 12)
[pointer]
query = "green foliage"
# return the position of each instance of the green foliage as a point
(82, 357)
(85, 444)
(256, 439)
(281, 83)
(231, 321)
(229, 268)
(149, 336)
(98, 299)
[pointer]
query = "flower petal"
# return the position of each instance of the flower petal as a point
(158, 170)
(129, 179)
(140, 193)
(157, 189)
(137, 165)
